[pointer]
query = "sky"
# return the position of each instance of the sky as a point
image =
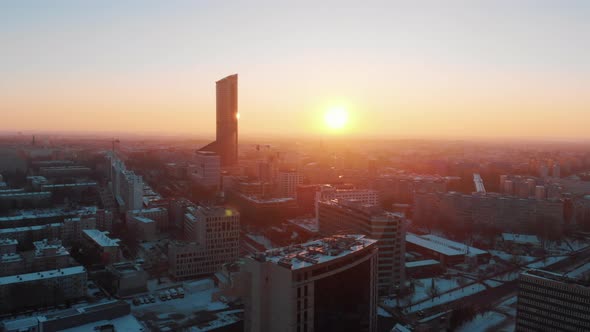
(399, 68)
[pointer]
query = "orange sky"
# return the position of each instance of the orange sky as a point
(399, 71)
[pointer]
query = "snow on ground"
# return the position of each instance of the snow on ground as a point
(421, 293)
(484, 322)
(580, 271)
(382, 312)
(126, 323)
(546, 262)
(510, 257)
(447, 297)
(191, 303)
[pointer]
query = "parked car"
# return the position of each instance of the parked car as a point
(152, 298)
(168, 296)
(173, 293)
(136, 301)
(180, 292)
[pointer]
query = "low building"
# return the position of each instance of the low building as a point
(99, 242)
(129, 278)
(44, 288)
(158, 214)
(444, 250)
(426, 268)
(510, 240)
(144, 228)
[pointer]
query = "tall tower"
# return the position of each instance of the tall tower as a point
(226, 141)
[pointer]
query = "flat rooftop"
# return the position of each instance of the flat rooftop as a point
(101, 238)
(442, 245)
(42, 275)
(143, 219)
(556, 277)
(309, 224)
(422, 263)
(315, 252)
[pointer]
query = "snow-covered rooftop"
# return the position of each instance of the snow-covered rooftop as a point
(101, 238)
(316, 252)
(521, 238)
(422, 263)
(442, 245)
(41, 275)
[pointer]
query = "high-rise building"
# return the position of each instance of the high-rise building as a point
(549, 301)
(323, 285)
(213, 238)
(348, 216)
(288, 181)
(226, 141)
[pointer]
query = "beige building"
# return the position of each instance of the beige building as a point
(349, 216)
(213, 238)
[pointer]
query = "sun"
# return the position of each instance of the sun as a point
(336, 118)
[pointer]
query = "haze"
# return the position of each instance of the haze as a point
(456, 69)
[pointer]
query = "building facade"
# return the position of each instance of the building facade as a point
(323, 285)
(550, 302)
(337, 216)
(212, 239)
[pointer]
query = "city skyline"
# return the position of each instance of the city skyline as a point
(474, 70)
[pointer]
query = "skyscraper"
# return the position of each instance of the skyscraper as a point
(226, 142)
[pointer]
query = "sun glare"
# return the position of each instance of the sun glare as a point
(336, 118)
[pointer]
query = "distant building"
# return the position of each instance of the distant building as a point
(207, 170)
(548, 301)
(213, 238)
(47, 255)
(323, 285)
(129, 278)
(126, 185)
(144, 228)
(226, 142)
(288, 180)
(509, 213)
(340, 216)
(364, 196)
(44, 288)
(107, 248)
(159, 214)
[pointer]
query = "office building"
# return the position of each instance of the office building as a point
(329, 192)
(323, 285)
(207, 171)
(226, 142)
(288, 180)
(337, 216)
(549, 301)
(212, 239)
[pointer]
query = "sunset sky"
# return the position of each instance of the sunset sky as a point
(430, 69)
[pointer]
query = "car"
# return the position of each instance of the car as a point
(168, 295)
(180, 292)
(151, 298)
(162, 296)
(173, 293)
(146, 300)
(136, 301)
